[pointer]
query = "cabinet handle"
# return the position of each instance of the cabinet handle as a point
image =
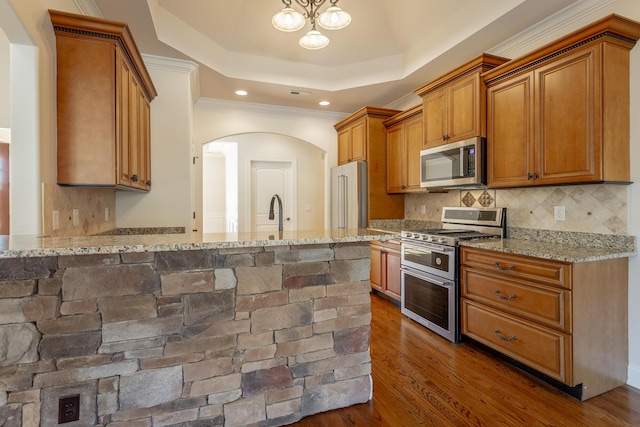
(497, 292)
(503, 338)
(511, 267)
(134, 178)
(533, 175)
(149, 183)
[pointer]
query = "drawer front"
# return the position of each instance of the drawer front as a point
(543, 349)
(544, 271)
(549, 306)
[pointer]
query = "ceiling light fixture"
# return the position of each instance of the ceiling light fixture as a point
(288, 19)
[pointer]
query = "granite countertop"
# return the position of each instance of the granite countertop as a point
(552, 250)
(36, 246)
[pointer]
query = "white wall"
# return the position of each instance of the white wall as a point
(309, 164)
(32, 69)
(5, 86)
(216, 119)
(169, 202)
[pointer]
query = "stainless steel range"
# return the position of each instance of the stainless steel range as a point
(430, 265)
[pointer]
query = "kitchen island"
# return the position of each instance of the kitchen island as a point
(220, 329)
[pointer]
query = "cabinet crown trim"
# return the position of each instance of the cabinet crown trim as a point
(481, 63)
(613, 28)
(415, 111)
(382, 113)
(70, 23)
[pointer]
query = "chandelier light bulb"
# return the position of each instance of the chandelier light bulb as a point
(288, 20)
(334, 18)
(314, 39)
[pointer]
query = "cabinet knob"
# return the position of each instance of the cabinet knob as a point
(149, 183)
(532, 175)
(134, 178)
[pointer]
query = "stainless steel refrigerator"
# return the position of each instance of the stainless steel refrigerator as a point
(349, 195)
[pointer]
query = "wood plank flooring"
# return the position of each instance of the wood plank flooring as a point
(420, 379)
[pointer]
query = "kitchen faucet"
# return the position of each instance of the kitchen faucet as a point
(271, 214)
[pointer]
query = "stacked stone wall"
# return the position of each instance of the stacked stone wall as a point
(224, 337)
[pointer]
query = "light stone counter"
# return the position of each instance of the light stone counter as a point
(552, 250)
(220, 329)
(33, 246)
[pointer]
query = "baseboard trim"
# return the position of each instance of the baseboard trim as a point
(633, 376)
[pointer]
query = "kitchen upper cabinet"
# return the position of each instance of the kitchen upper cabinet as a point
(561, 114)
(404, 142)
(103, 111)
(454, 105)
(555, 317)
(362, 136)
(352, 143)
(385, 274)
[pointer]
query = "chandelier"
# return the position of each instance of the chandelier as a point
(334, 18)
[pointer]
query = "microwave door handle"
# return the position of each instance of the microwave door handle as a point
(462, 162)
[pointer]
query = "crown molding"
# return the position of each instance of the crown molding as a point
(89, 8)
(530, 38)
(215, 103)
(177, 66)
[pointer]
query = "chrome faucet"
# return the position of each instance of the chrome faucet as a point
(271, 214)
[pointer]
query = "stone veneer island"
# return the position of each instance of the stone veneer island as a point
(215, 330)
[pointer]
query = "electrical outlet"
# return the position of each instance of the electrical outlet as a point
(423, 209)
(55, 220)
(558, 213)
(69, 409)
(76, 217)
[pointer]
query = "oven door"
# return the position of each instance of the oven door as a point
(435, 259)
(431, 301)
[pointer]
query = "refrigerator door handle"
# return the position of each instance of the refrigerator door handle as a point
(342, 201)
(345, 183)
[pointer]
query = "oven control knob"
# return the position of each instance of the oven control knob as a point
(443, 240)
(425, 238)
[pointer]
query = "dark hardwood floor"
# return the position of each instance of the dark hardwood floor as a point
(420, 379)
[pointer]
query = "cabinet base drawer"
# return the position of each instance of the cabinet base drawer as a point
(546, 305)
(543, 349)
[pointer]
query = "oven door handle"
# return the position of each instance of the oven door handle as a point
(419, 275)
(421, 245)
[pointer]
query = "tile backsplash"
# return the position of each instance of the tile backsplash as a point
(96, 208)
(596, 208)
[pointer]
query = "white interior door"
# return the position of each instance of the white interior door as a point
(267, 179)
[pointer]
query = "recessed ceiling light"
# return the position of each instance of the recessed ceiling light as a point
(324, 103)
(241, 92)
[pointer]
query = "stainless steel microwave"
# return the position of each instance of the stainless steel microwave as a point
(456, 165)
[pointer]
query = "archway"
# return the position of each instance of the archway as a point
(235, 155)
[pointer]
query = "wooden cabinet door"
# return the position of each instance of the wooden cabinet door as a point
(463, 109)
(344, 146)
(358, 141)
(144, 146)
(414, 142)
(396, 177)
(566, 105)
(392, 272)
(123, 144)
(375, 273)
(510, 157)
(434, 107)
(134, 131)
